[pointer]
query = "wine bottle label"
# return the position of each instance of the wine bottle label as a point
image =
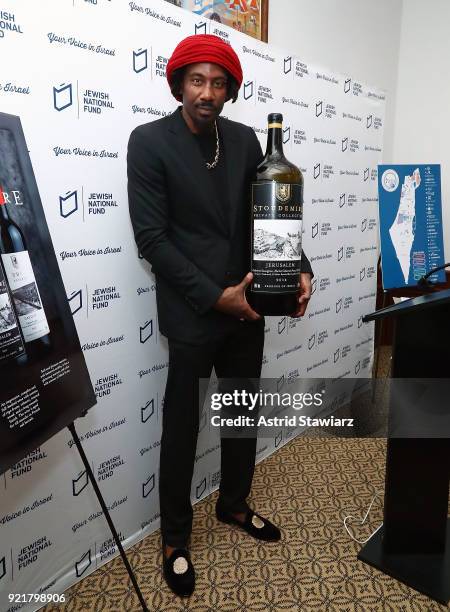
(27, 300)
(11, 343)
(277, 212)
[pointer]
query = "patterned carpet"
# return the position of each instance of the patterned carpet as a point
(307, 488)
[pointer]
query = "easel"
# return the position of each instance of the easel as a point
(99, 495)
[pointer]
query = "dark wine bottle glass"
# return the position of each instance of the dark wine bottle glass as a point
(276, 229)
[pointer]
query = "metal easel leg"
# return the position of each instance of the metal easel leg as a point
(99, 495)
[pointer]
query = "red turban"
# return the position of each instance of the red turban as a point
(204, 48)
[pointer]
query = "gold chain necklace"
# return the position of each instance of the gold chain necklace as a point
(215, 161)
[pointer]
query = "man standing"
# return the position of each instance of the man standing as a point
(188, 185)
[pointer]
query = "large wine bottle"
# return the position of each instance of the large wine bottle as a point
(22, 284)
(276, 229)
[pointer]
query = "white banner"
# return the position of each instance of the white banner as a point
(82, 74)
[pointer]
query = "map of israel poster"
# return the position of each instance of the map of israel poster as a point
(409, 199)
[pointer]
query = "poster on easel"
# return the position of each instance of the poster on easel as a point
(411, 230)
(45, 384)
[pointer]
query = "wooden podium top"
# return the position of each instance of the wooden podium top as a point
(431, 300)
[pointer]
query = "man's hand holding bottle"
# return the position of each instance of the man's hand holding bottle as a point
(233, 301)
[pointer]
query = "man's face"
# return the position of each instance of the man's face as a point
(204, 90)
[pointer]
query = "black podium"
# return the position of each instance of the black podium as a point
(413, 545)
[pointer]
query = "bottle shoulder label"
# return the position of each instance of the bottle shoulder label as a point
(274, 200)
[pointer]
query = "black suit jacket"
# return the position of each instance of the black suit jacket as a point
(179, 223)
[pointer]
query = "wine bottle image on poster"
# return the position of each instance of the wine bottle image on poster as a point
(45, 382)
(20, 277)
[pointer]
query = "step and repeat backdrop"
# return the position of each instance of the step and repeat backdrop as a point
(81, 74)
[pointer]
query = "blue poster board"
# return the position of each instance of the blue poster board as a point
(411, 237)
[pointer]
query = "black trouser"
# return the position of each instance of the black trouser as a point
(237, 354)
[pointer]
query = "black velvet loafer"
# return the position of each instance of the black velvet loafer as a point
(254, 524)
(179, 572)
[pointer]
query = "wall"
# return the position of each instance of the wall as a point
(351, 37)
(423, 93)
(402, 48)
